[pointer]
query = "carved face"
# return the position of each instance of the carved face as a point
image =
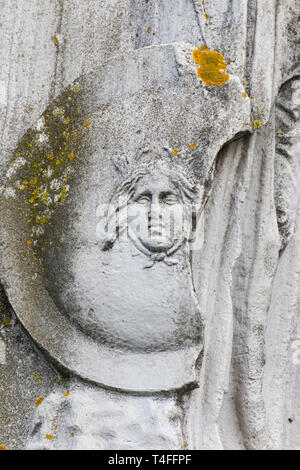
(155, 212)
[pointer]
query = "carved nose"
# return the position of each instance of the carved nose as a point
(155, 210)
(155, 217)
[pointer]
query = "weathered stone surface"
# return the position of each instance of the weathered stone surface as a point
(118, 119)
(163, 326)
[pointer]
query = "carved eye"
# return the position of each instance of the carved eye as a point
(170, 199)
(143, 199)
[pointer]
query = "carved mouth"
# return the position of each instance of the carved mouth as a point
(157, 228)
(157, 233)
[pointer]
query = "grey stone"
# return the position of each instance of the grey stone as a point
(149, 225)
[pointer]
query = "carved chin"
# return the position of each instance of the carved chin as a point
(157, 244)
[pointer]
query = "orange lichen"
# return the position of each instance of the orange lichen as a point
(205, 14)
(193, 145)
(49, 437)
(3, 448)
(175, 152)
(87, 124)
(202, 48)
(212, 66)
(185, 445)
(39, 401)
(29, 242)
(67, 394)
(244, 95)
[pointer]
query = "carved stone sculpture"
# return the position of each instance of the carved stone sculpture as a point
(148, 211)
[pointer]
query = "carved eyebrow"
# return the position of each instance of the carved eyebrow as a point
(169, 193)
(137, 195)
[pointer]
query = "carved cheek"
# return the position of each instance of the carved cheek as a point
(138, 217)
(175, 214)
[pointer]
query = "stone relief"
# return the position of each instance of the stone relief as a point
(159, 205)
(112, 298)
(159, 194)
(287, 150)
(131, 324)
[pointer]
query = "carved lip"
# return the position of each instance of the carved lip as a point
(156, 231)
(156, 228)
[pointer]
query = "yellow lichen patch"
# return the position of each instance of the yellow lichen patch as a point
(44, 196)
(257, 124)
(244, 95)
(7, 321)
(58, 112)
(66, 394)
(42, 219)
(175, 152)
(49, 437)
(149, 29)
(206, 16)
(39, 401)
(185, 445)
(3, 448)
(193, 145)
(212, 66)
(38, 378)
(56, 41)
(56, 428)
(63, 194)
(87, 124)
(76, 89)
(41, 179)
